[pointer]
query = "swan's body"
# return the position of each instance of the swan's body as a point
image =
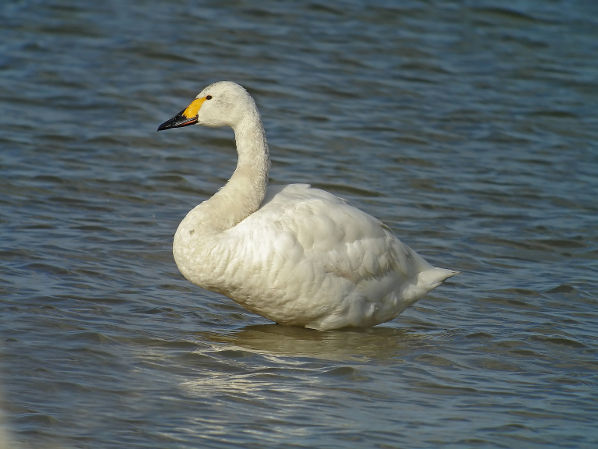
(293, 254)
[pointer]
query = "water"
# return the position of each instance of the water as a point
(470, 128)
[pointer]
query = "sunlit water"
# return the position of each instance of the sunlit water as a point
(470, 128)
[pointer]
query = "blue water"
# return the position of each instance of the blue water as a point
(470, 128)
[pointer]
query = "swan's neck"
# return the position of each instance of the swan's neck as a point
(245, 190)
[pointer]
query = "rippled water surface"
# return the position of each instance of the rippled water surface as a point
(470, 128)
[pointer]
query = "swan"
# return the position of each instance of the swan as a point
(294, 254)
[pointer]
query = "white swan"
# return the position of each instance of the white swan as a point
(293, 254)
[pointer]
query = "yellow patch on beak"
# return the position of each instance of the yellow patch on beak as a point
(193, 108)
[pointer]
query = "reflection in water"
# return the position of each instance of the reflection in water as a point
(340, 345)
(292, 367)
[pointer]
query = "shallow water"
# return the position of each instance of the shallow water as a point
(470, 128)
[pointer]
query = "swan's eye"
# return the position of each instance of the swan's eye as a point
(209, 97)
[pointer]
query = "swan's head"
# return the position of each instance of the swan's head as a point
(220, 104)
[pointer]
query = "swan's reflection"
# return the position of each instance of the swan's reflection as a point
(357, 344)
(291, 363)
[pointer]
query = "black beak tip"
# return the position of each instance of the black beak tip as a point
(178, 121)
(171, 123)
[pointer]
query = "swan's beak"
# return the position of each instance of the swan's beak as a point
(177, 121)
(186, 117)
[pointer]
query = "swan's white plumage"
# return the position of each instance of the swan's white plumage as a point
(294, 254)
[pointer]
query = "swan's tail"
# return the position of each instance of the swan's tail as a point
(435, 276)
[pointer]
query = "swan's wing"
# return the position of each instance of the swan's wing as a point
(297, 221)
(307, 257)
